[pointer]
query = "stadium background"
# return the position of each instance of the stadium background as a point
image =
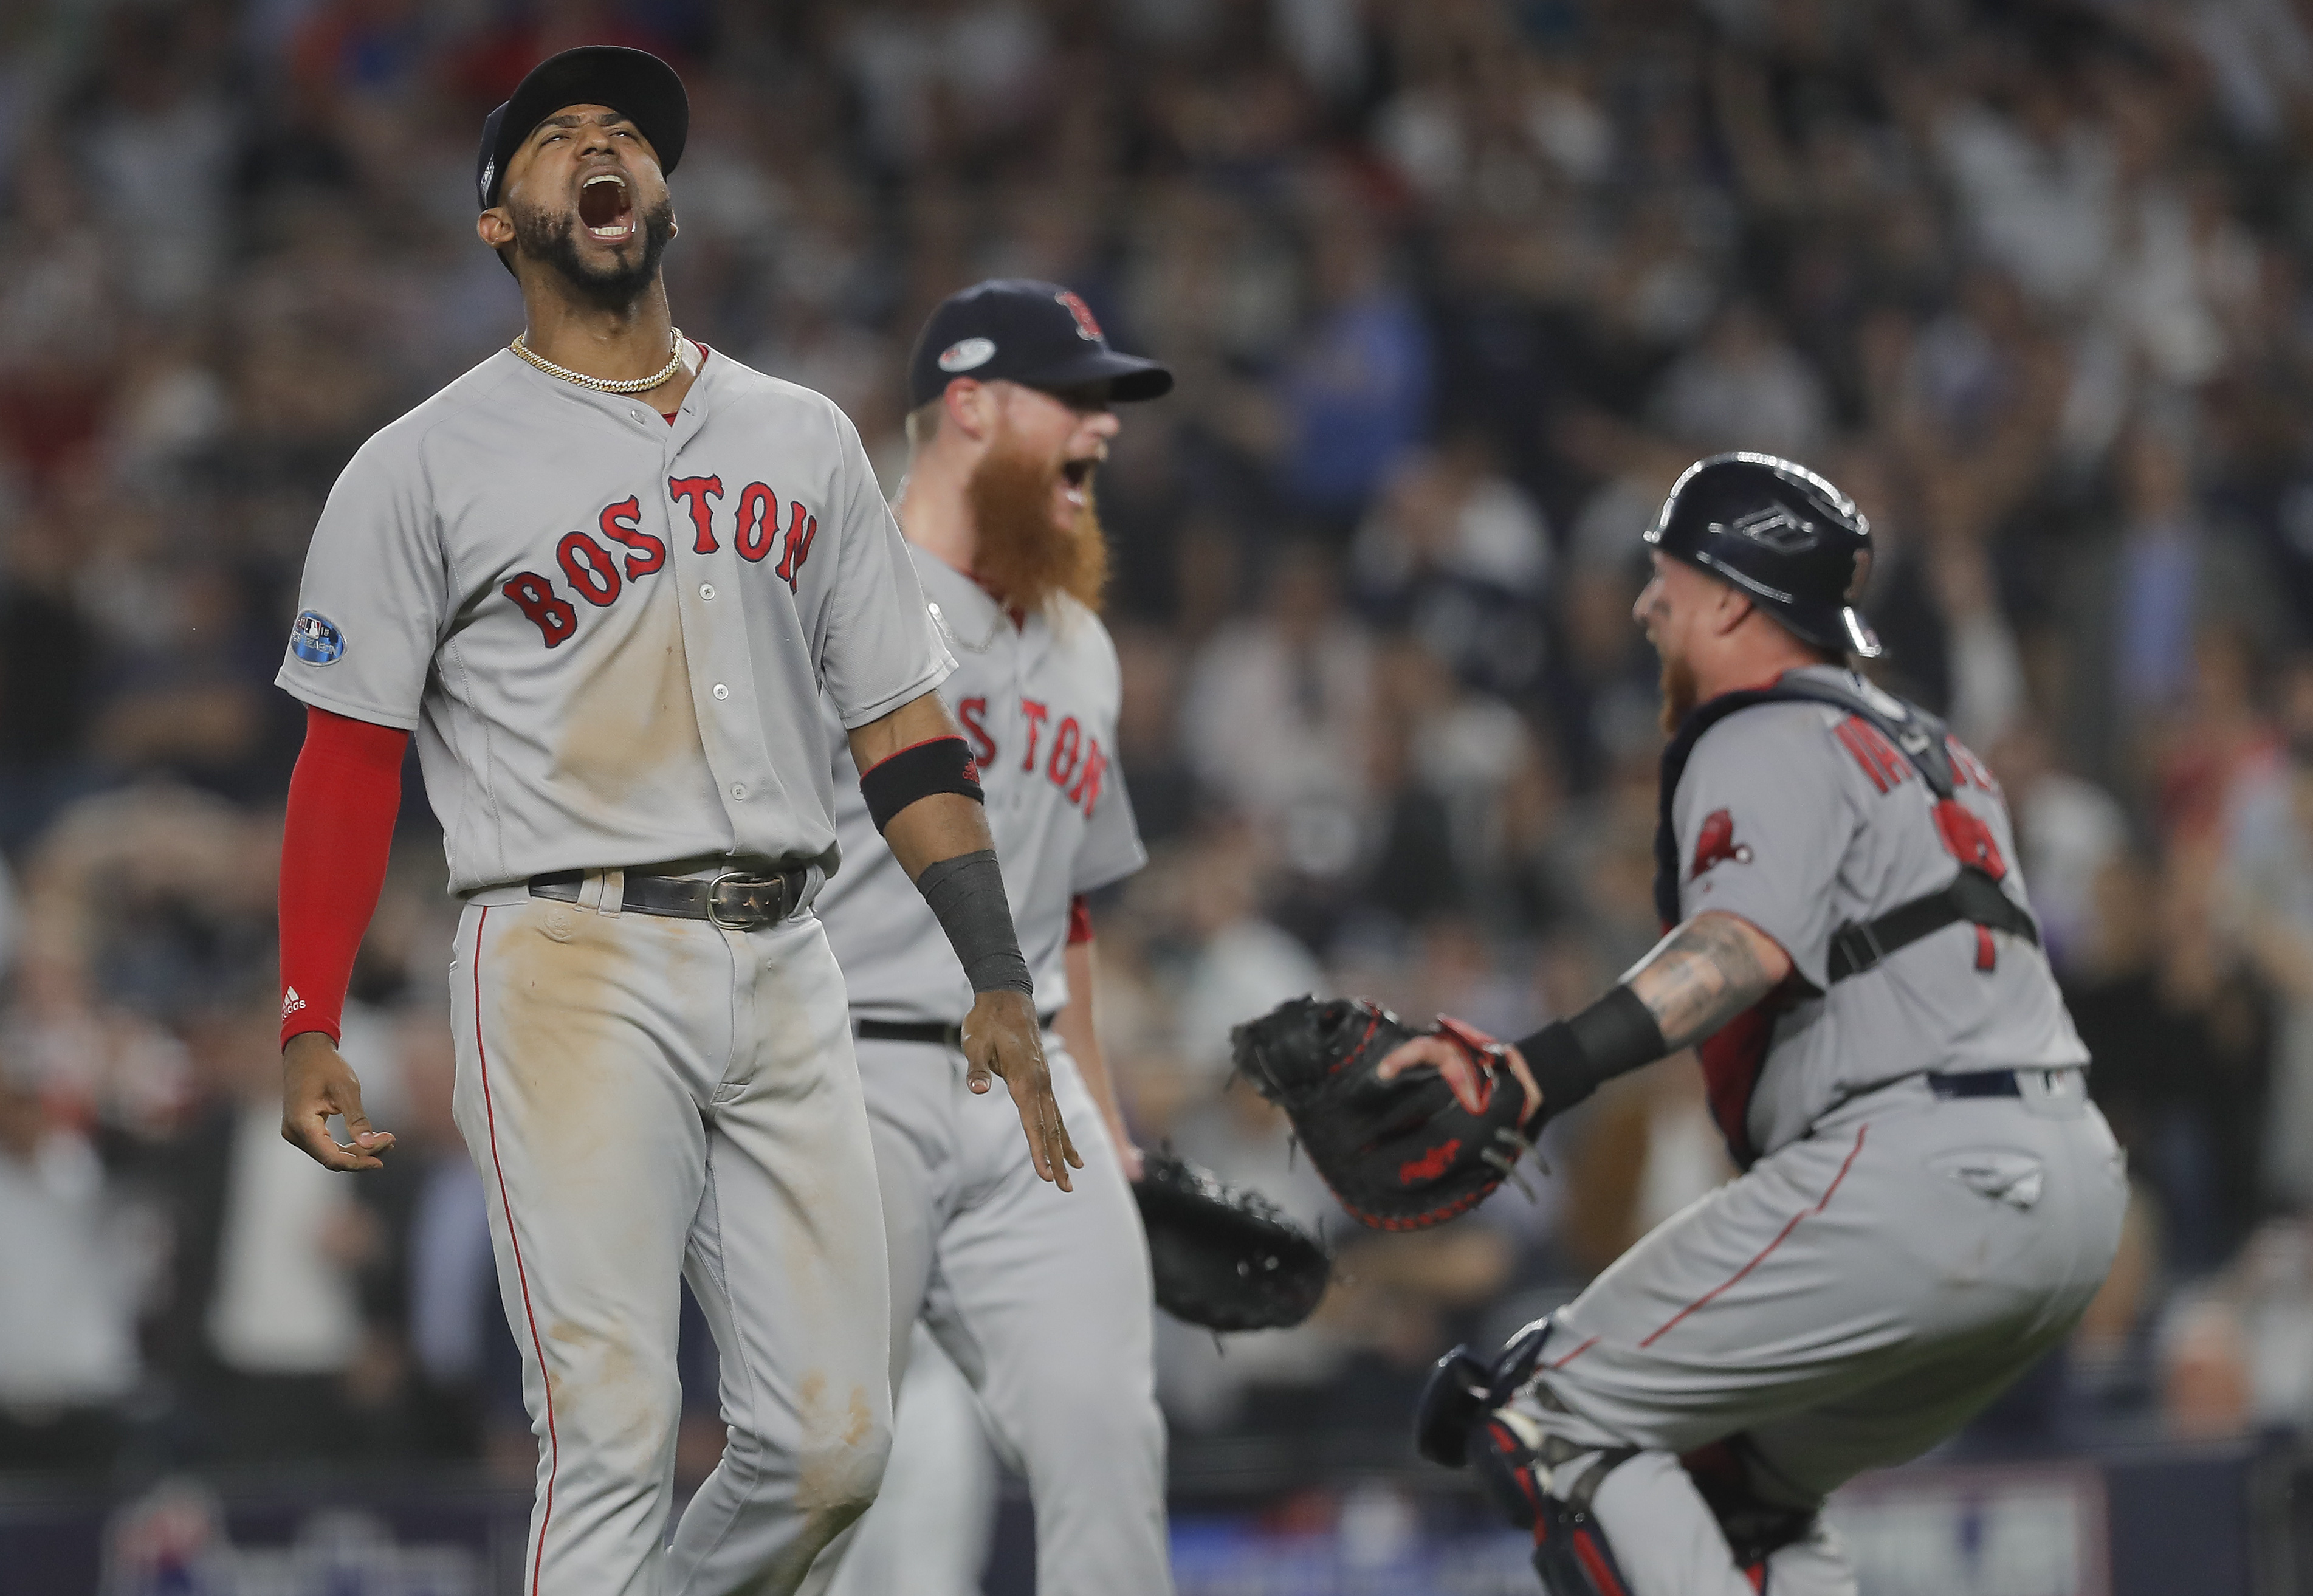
(1454, 288)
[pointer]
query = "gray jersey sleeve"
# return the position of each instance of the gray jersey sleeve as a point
(1112, 849)
(1764, 819)
(375, 598)
(880, 646)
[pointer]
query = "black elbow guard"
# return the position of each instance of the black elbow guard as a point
(1570, 1058)
(938, 765)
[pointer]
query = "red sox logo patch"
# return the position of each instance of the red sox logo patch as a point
(1086, 328)
(1717, 843)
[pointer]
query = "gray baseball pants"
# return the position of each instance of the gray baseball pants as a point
(1849, 1301)
(651, 1100)
(1040, 1296)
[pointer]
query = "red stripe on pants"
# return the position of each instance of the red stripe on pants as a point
(490, 1115)
(1771, 1245)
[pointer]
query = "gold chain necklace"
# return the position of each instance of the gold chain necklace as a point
(603, 384)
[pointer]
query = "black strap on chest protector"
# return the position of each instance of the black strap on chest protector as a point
(1972, 895)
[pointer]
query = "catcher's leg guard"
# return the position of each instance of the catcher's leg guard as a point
(1461, 1391)
(1755, 1528)
(1570, 1553)
(1451, 1403)
(1461, 1420)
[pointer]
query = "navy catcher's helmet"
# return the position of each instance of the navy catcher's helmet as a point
(1792, 542)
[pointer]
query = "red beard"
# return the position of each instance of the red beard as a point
(1023, 556)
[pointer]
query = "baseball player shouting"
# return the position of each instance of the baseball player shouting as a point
(1929, 1199)
(606, 577)
(1042, 1303)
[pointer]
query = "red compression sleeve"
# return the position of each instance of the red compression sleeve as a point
(342, 800)
(1079, 920)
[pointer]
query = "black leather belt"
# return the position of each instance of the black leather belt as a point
(929, 1031)
(736, 900)
(1976, 1083)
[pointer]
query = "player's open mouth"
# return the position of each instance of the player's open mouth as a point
(604, 208)
(1078, 475)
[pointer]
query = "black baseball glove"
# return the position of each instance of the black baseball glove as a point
(1224, 1258)
(1401, 1154)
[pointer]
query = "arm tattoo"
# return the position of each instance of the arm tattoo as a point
(1703, 975)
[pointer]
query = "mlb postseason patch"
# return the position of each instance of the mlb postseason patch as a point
(316, 640)
(967, 354)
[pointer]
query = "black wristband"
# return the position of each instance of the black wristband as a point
(966, 895)
(1570, 1058)
(939, 764)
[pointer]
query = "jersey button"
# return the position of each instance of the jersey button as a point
(739, 791)
(706, 590)
(721, 690)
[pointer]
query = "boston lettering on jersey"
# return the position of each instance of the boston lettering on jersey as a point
(598, 575)
(1072, 758)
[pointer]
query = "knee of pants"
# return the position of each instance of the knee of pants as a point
(1091, 1433)
(835, 1484)
(1549, 1412)
(836, 1463)
(837, 1477)
(612, 1402)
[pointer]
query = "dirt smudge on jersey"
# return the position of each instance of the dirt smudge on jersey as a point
(632, 734)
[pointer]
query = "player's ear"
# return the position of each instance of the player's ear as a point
(495, 227)
(971, 407)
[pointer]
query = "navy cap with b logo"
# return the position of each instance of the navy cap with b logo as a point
(1019, 330)
(635, 84)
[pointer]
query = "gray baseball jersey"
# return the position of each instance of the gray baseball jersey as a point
(1042, 1298)
(609, 633)
(1038, 703)
(612, 636)
(1801, 817)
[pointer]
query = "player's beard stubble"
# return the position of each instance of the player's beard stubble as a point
(1679, 691)
(1023, 555)
(553, 237)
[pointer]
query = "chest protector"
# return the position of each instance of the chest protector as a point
(1733, 1055)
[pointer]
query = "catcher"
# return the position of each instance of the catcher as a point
(1929, 1200)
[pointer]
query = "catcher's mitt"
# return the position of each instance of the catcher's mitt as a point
(1224, 1258)
(1400, 1154)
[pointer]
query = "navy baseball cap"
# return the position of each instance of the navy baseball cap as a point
(1017, 329)
(635, 84)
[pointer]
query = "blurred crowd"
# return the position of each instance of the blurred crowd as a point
(1455, 289)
